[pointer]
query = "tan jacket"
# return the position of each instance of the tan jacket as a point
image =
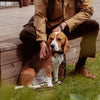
(66, 13)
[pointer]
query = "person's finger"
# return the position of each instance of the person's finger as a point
(44, 52)
(47, 52)
(41, 56)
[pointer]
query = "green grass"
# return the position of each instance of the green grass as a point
(75, 87)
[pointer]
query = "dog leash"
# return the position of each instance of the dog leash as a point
(64, 70)
(63, 73)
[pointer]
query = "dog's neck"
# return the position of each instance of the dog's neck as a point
(57, 53)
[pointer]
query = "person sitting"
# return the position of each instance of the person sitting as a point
(69, 16)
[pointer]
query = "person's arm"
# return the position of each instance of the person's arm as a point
(40, 25)
(85, 13)
(40, 19)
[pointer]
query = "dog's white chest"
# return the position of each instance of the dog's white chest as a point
(57, 60)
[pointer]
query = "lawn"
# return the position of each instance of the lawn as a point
(75, 87)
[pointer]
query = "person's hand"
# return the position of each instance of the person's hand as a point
(58, 28)
(44, 51)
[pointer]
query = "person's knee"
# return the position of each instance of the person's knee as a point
(92, 25)
(23, 35)
(27, 34)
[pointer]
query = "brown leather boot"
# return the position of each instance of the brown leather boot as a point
(85, 72)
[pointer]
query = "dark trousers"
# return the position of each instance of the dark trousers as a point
(88, 30)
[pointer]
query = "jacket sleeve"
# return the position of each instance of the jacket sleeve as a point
(85, 12)
(40, 19)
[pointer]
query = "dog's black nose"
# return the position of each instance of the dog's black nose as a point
(52, 46)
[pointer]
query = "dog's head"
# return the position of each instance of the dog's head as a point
(58, 41)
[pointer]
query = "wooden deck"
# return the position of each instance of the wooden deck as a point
(11, 22)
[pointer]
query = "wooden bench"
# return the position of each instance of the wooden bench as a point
(11, 55)
(20, 2)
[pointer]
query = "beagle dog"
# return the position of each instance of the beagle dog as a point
(37, 70)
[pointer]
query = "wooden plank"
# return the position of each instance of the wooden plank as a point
(10, 44)
(96, 1)
(71, 61)
(9, 81)
(17, 54)
(11, 56)
(14, 42)
(16, 20)
(75, 42)
(10, 70)
(73, 53)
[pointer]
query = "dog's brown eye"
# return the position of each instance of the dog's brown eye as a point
(59, 39)
(51, 38)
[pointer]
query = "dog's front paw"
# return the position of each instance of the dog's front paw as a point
(59, 82)
(18, 87)
(34, 86)
(49, 82)
(50, 85)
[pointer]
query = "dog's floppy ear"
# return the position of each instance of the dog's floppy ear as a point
(66, 46)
